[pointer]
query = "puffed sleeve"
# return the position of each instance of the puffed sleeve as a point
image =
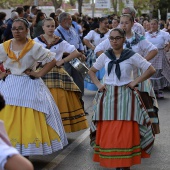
(146, 47)
(100, 62)
(89, 36)
(140, 62)
(166, 37)
(103, 46)
(42, 54)
(3, 55)
(67, 48)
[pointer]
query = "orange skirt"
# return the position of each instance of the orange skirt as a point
(118, 144)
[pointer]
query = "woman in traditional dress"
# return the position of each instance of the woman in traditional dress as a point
(91, 40)
(140, 45)
(160, 39)
(31, 117)
(66, 93)
(124, 134)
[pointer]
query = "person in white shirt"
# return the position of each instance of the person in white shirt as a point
(140, 45)
(137, 27)
(31, 116)
(64, 90)
(91, 40)
(118, 110)
(160, 39)
(115, 23)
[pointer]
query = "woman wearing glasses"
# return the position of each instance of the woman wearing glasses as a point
(124, 134)
(140, 45)
(65, 92)
(31, 117)
(91, 40)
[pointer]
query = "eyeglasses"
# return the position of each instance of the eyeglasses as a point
(115, 38)
(19, 29)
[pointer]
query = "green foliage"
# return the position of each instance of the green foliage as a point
(14, 3)
(10, 3)
(86, 1)
(140, 5)
(121, 6)
(116, 4)
(57, 3)
(164, 6)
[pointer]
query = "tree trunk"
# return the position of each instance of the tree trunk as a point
(114, 3)
(57, 3)
(80, 3)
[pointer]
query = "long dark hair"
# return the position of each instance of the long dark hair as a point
(39, 15)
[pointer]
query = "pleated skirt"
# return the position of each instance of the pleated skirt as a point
(67, 96)
(118, 144)
(161, 78)
(28, 131)
(71, 111)
(121, 131)
(158, 80)
(31, 117)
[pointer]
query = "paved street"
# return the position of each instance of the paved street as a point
(78, 154)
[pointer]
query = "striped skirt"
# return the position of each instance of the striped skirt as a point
(67, 97)
(158, 80)
(91, 58)
(123, 128)
(153, 108)
(31, 117)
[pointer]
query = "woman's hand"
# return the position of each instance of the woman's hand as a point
(102, 88)
(167, 46)
(31, 73)
(4, 74)
(132, 85)
(93, 48)
(82, 57)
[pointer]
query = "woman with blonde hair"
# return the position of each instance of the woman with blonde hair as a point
(66, 93)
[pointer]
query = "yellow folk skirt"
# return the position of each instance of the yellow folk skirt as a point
(28, 131)
(70, 108)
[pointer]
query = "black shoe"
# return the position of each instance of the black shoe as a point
(86, 113)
